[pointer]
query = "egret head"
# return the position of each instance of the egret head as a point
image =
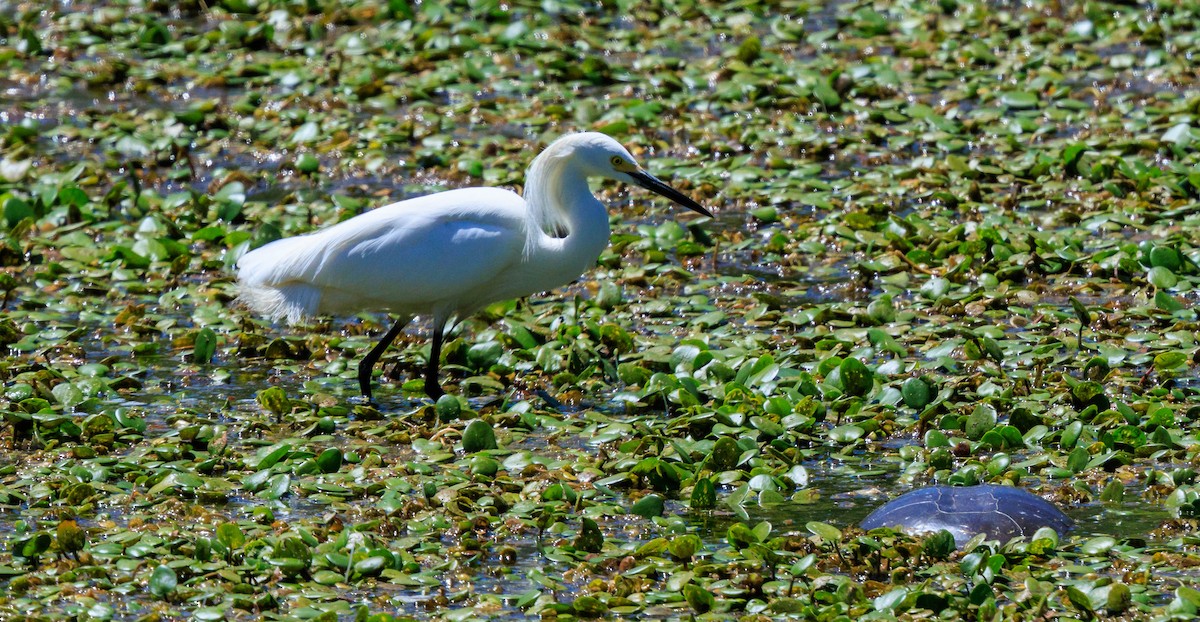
(605, 157)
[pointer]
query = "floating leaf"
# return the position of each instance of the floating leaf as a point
(916, 393)
(590, 539)
(479, 436)
(448, 408)
(684, 547)
(1019, 99)
(699, 599)
(857, 380)
(704, 495)
(163, 581)
(205, 346)
(648, 506)
(827, 532)
(274, 400)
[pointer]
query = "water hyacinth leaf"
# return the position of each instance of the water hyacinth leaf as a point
(589, 607)
(699, 599)
(648, 506)
(1116, 597)
(31, 547)
(267, 457)
(485, 466)
(704, 495)
(209, 614)
(1114, 492)
(1078, 460)
(129, 419)
(1071, 156)
(306, 133)
(1081, 312)
(992, 349)
(939, 545)
(231, 535)
(1088, 393)
(1097, 369)
(916, 393)
(857, 380)
(69, 537)
(892, 600)
(1079, 600)
(68, 395)
(765, 214)
(761, 370)
(1189, 597)
(825, 531)
(882, 310)
(590, 539)
(479, 436)
(482, 356)
(725, 454)
(981, 420)
(768, 427)
(560, 492)
(371, 566)
(661, 475)
(739, 536)
(846, 433)
(230, 200)
(884, 341)
(608, 297)
(278, 486)
(205, 346)
(1165, 257)
(1162, 278)
(1179, 134)
(449, 408)
(1166, 302)
(521, 334)
(798, 475)
(163, 581)
(684, 547)
(274, 400)
(308, 163)
(330, 460)
(292, 556)
(13, 171)
(1044, 540)
(1019, 99)
(826, 94)
(1170, 361)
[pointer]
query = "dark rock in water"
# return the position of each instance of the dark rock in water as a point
(1001, 512)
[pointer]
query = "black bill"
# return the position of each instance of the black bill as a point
(652, 183)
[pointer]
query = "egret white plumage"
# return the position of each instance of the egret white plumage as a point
(448, 255)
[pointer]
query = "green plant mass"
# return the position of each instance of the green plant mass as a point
(953, 242)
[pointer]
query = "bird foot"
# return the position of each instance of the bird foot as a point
(364, 400)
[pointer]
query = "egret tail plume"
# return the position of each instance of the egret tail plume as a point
(292, 301)
(274, 285)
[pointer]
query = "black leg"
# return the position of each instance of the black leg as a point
(368, 362)
(432, 388)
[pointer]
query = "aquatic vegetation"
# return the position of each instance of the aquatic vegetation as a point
(955, 242)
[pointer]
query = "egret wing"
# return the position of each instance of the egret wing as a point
(437, 251)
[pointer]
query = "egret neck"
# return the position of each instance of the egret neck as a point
(568, 227)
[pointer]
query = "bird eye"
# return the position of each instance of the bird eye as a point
(617, 160)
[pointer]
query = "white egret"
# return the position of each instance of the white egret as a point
(447, 255)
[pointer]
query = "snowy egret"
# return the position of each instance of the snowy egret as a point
(448, 255)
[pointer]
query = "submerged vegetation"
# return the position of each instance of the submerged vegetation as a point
(956, 242)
